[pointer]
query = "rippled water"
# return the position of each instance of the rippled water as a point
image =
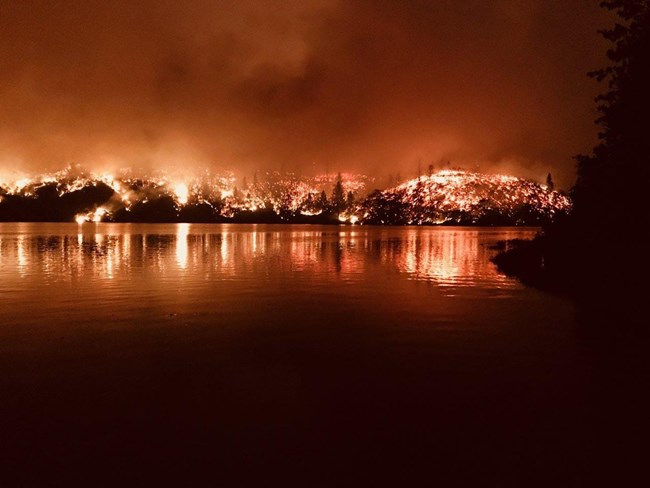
(275, 346)
(175, 261)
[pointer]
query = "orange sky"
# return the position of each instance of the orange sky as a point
(375, 86)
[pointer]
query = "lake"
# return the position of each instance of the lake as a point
(319, 356)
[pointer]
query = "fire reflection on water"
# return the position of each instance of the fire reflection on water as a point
(447, 257)
(181, 245)
(21, 253)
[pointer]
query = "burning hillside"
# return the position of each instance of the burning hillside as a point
(452, 197)
(83, 196)
(466, 198)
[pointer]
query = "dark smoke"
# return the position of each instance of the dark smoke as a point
(311, 85)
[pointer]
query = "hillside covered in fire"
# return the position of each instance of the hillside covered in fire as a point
(445, 197)
(465, 198)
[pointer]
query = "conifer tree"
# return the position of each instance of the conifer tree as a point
(338, 195)
(612, 179)
(322, 201)
(549, 182)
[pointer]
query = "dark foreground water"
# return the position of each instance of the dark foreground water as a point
(238, 355)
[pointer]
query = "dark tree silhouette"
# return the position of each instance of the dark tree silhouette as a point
(549, 182)
(308, 204)
(338, 195)
(198, 212)
(381, 209)
(48, 205)
(322, 201)
(612, 179)
(418, 203)
(350, 200)
(162, 209)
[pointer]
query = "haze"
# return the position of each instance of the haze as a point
(372, 86)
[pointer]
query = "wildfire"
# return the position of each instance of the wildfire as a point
(182, 192)
(443, 197)
(465, 197)
(274, 191)
(94, 216)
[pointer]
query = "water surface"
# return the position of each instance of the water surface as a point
(330, 355)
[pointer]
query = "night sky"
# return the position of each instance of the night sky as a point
(373, 86)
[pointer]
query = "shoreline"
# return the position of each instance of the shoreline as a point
(281, 222)
(577, 264)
